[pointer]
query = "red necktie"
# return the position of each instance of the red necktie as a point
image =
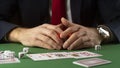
(58, 11)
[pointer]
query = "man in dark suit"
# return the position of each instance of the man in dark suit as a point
(24, 21)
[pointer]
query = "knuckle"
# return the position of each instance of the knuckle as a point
(46, 39)
(52, 32)
(71, 28)
(56, 27)
(75, 34)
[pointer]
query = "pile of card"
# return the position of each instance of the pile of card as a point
(12, 60)
(62, 55)
(91, 62)
(8, 56)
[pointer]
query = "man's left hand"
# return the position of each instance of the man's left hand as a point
(79, 36)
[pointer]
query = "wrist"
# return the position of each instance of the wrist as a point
(105, 33)
(15, 34)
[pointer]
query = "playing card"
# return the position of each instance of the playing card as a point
(7, 56)
(59, 55)
(62, 55)
(48, 56)
(91, 62)
(83, 54)
(36, 57)
(12, 60)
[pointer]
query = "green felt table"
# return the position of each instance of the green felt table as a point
(109, 52)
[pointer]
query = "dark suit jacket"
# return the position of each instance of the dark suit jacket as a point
(31, 13)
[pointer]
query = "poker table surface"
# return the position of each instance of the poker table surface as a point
(110, 52)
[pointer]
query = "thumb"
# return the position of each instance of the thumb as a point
(65, 22)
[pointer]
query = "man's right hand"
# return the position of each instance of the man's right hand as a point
(45, 36)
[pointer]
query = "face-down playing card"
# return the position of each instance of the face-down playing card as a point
(91, 62)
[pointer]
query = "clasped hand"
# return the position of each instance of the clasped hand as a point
(48, 36)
